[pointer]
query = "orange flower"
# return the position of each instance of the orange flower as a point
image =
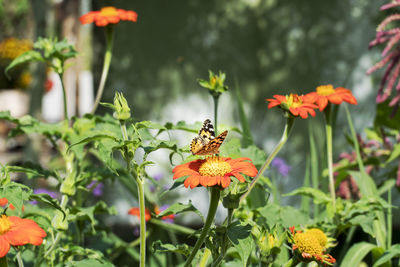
(4, 201)
(15, 231)
(326, 93)
(108, 15)
(297, 105)
(136, 212)
(214, 171)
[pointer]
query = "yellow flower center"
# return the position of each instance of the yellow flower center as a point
(108, 11)
(325, 89)
(5, 224)
(214, 166)
(307, 243)
(319, 235)
(293, 101)
(271, 240)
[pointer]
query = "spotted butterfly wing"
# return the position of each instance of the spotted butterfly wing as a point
(206, 143)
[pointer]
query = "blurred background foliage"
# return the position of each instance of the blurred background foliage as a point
(265, 47)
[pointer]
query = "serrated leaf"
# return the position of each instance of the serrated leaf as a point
(240, 236)
(177, 208)
(47, 199)
(149, 125)
(317, 195)
(159, 144)
(356, 254)
(29, 56)
(183, 249)
(16, 194)
(89, 263)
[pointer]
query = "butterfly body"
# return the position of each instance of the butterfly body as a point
(206, 143)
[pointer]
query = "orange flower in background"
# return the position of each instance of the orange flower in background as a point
(136, 212)
(297, 105)
(214, 171)
(4, 201)
(328, 94)
(108, 15)
(15, 231)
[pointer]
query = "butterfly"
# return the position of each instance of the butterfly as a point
(205, 143)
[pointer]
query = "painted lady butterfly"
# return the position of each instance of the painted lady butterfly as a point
(206, 143)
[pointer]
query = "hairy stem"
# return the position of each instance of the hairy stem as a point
(285, 135)
(328, 129)
(106, 65)
(64, 95)
(140, 183)
(216, 99)
(214, 199)
(19, 259)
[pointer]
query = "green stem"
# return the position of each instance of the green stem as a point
(140, 184)
(64, 95)
(3, 262)
(389, 220)
(285, 135)
(225, 242)
(216, 98)
(106, 65)
(19, 259)
(173, 227)
(292, 262)
(214, 199)
(328, 129)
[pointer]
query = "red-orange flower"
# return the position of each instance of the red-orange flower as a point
(108, 15)
(326, 93)
(214, 171)
(298, 105)
(136, 212)
(15, 231)
(4, 201)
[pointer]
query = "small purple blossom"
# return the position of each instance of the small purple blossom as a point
(43, 191)
(158, 176)
(282, 167)
(97, 191)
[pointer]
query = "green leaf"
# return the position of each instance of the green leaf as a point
(240, 236)
(395, 153)
(29, 56)
(32, 170)
(149, 125)
(6, 115)
(392, 252)
(47, 199)
(177, 208)
(387, 185)
(16, 194)
(383, 116)
(317, 195)
(183, 249)
(158, 144)
(356, 254)
(89, 263)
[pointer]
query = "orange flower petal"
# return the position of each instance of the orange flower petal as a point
(4, 247)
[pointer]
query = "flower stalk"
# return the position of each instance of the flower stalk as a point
(64, 95)
(106, 65)
(214, 199)
(328, 129)
(216, 99)
(278, 147)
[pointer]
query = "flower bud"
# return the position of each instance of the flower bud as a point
(122, 111)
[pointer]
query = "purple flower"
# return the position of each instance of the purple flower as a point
(158, 176)
(97, 188)
(281, 166)
(43, 191)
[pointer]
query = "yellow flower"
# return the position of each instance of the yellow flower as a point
(311, 245)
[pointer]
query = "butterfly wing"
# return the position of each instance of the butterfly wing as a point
(206, 143)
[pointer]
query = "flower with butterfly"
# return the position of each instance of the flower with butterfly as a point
(213, 170)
